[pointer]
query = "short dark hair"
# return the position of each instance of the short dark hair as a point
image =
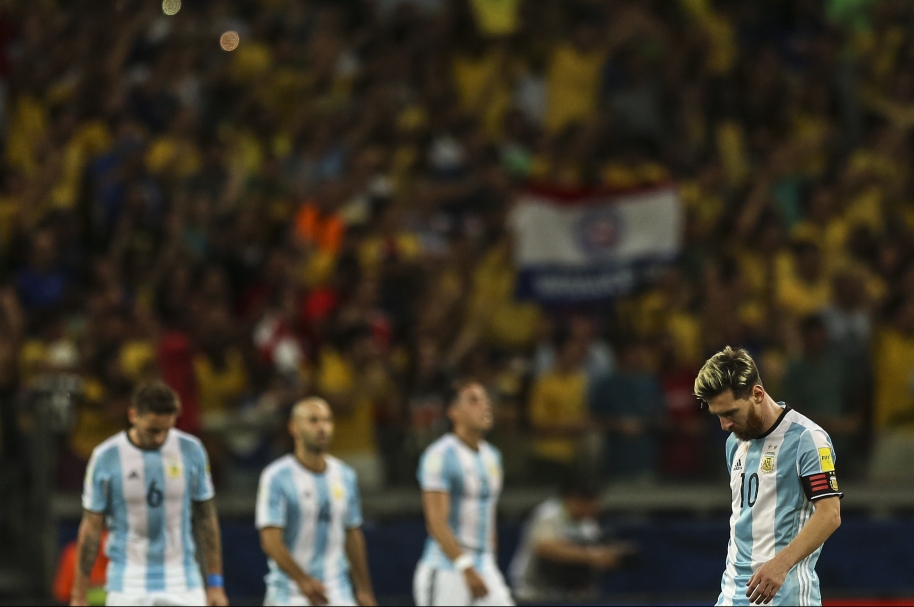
(455, 388)
(730, 369)
(155, 397)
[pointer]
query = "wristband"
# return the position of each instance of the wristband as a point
(463, 562)
(214, 580)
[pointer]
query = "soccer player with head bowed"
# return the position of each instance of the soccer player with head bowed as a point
(151, 486)
(461, 479)
(310, 518)
(785, 498)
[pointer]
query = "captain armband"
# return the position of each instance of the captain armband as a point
(823, 484)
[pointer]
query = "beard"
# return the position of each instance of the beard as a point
(754, 426)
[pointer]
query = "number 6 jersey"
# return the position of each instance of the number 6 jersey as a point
(145, 495)
(774, 480)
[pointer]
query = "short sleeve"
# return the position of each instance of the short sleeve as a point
(96, 487)
(816, 465)
(432, 471)
(353, 501)
(546, 528)
(201, 488)
(271, 501)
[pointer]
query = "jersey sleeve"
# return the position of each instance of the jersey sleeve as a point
(96, 494)
(202, 485)
(816, 465)
(433, 474)
(271, 502)
(353, 501)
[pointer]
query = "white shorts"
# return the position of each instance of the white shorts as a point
(336, 597)
(130, 599)
(448, 587)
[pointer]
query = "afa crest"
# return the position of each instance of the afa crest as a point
(833, 483)
(768, 463)
(174, 470)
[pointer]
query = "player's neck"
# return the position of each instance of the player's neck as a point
(468, 437)
(771, 413)
(315, 462)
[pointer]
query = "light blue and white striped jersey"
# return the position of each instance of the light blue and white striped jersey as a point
(473, 480)
(774, 480)
(146, 495)
(314, 510)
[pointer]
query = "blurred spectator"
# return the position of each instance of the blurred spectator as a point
(893, 398)
(564, 549)
(817, 385)
(359, 389)
(558, 410)
(629, 404)
(600, 360)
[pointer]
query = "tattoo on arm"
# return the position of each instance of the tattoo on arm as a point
(206, 528)
(89, 551)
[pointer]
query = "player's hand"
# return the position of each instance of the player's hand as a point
(477, 587)
(611, 557)
(314, 591)
(366, 599)
(765, 582)
(78, 601)
(215, 597)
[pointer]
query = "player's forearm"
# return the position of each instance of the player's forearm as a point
(358, 560)
(441, 533)
(88, 542)
(275, 549)
(206, 528)
(824, 521)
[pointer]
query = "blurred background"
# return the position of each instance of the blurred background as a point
(349, 201)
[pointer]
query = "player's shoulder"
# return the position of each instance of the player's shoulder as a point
(341, 467)
(491, 449)
(277, 466)
(442, 445)
(800, 424)
(109, 445)
(187, 439)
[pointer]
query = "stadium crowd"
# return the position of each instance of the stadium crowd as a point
(323, 211)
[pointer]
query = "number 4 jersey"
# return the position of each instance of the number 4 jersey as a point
(145, 495)
(774, 480)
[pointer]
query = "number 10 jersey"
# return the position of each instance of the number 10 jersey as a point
(146, 495)
(774, 480)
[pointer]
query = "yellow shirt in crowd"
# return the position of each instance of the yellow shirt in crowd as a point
(558, 399)
(893, 398)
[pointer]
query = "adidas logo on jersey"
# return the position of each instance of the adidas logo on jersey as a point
(738, 465)
(133, 476)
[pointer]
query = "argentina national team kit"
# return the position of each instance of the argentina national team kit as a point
(314, 510)
(146, 495)
(473, 481)
(775, 480)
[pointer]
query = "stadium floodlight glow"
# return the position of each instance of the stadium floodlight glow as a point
(171, 7)
(229, 41)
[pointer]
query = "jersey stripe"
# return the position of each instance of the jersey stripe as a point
(322, 531)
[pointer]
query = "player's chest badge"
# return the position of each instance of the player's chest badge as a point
(338, 492)
(767, 466)
(173, 469)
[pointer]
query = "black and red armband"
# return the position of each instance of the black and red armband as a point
(823, 484)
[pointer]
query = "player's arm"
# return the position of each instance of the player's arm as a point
(358, 563)
(768, 579)
(88, 541)
(205, 523)
(273, 546)
(436, 505)
(563, 551)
